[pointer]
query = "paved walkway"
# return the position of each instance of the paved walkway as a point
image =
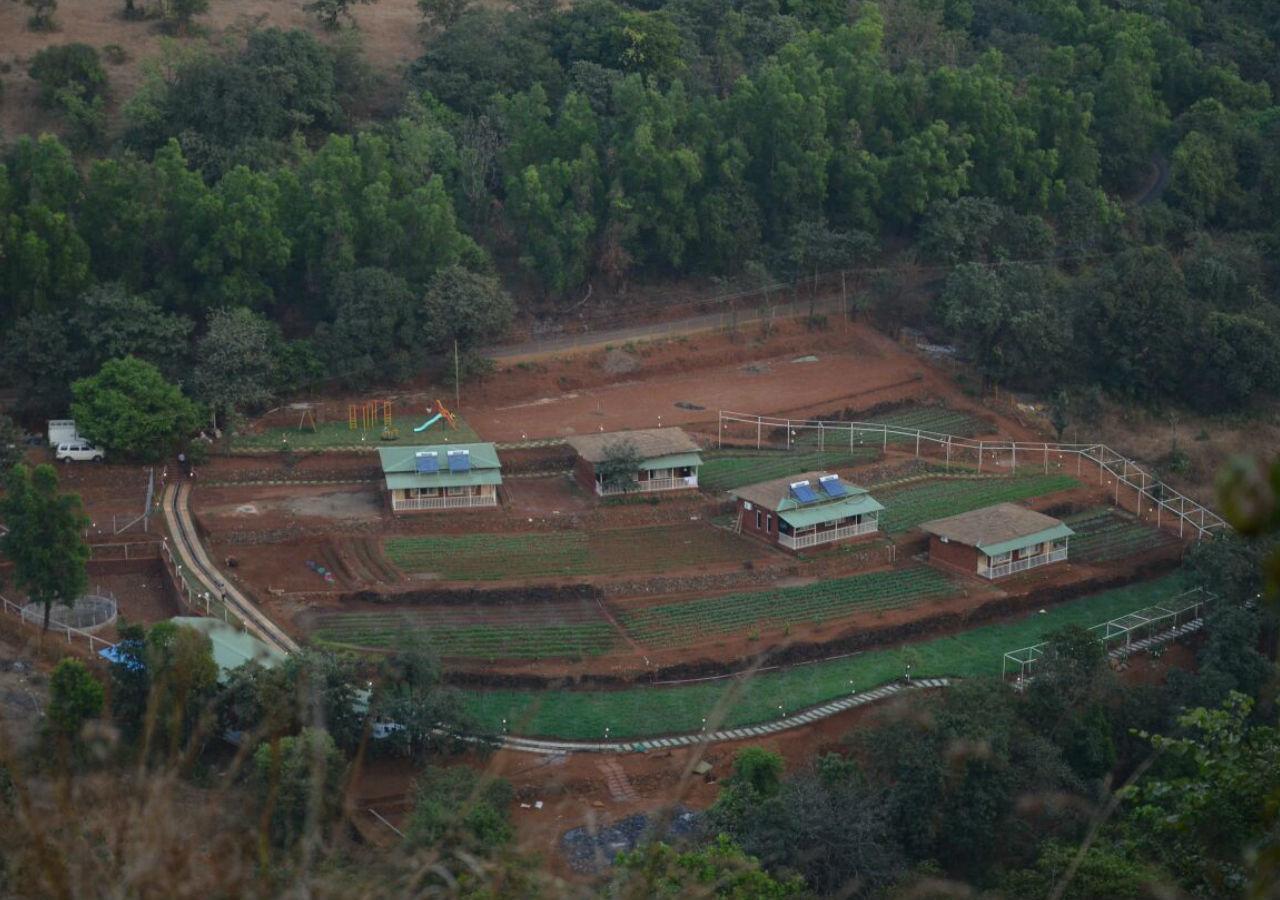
(186, 542)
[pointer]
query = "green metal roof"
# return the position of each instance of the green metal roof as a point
(672, 461)
(401, 480)
(816, 513)
(404, 459)
(232, 647)
(1049, 534)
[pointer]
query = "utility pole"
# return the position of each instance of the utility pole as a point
(457, 384)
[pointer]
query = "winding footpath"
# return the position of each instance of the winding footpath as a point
(190, 550)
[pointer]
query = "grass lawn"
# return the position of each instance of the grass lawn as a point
(729, 469)
(908, 506)
(489, 557)
(648, 711)
(328, 435)
(691, 621)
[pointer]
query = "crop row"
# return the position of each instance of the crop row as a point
(480, 557)
(524, 641)
(1102, 535)
(689, 621)
(908, 506)
(733, 470)
(646, 711)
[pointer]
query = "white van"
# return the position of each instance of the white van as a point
(80, 451)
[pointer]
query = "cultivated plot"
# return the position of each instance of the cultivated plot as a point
(1103, 534)
(536, 630)
(690, 621)
(732, 702)
(619, 551)
(724, 470)
(909, 505)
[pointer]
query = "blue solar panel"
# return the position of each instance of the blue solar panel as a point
(427, 462)
(803, 492)
(832, 486)
(459, 461)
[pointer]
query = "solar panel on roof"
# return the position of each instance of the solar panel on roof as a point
(802, 492)
(426, 462)
(459, 460)
(832, 486)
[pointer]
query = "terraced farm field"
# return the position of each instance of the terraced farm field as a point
(1103, 534)
(488, 557)
(909, 505)
(690, 621)
(730, 703)
(508, 631)
(729, 469)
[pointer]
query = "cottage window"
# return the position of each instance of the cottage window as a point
(459, 491)
(768, 523)
(1001, 559)
(759, 516)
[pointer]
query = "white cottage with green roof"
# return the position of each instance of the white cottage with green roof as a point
(996, 541)
(441, 476)
(807, 510)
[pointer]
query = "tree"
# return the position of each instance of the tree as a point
(718, 869)
(618, 469)
(177, 14)
(412, 694)
(45, 541)
(459, 809)
(465, 308)
(235, 364)
(130, 681)
(298, 783)
(442, 14)
(110, 323)
(375, 332)
(67, 67)
(42, 14)
(10, 444)
(75, 696)
(183, 676)
(130, 409)
(331, 13)
(1060, 412)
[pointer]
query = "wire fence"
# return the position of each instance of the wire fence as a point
(1133, 488)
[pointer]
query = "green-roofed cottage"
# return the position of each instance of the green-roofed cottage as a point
(669, 460)
(441, 476)
(997, 541)
(806, 510)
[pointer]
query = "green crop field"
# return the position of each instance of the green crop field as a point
(533, 632)
(328, 435)
(909, 505)
(691, 621)
(653, 710)
(1103, 534)
(488, 557)
(729, 469)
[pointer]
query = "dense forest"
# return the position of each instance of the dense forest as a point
(1089, 185)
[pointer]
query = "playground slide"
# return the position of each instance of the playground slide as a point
(427, 424)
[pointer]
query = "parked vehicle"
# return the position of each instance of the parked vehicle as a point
(80, 451)
(62, 431)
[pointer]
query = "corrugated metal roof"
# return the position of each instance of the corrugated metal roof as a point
(404, 459)
(397, 481)
(817, 513)
(1049, 534)
(673, 461)
(650, 443)
(993, 526)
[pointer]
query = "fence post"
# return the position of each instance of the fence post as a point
(980, 445)
(788, 434)
(1046, 459)
(948, 453)
(1013, 455)
(885, 446)
(821, 437)
(917, 442)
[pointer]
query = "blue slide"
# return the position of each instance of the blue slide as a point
(427, 424)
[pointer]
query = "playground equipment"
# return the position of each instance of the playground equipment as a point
(363, 416)
(441, 413)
